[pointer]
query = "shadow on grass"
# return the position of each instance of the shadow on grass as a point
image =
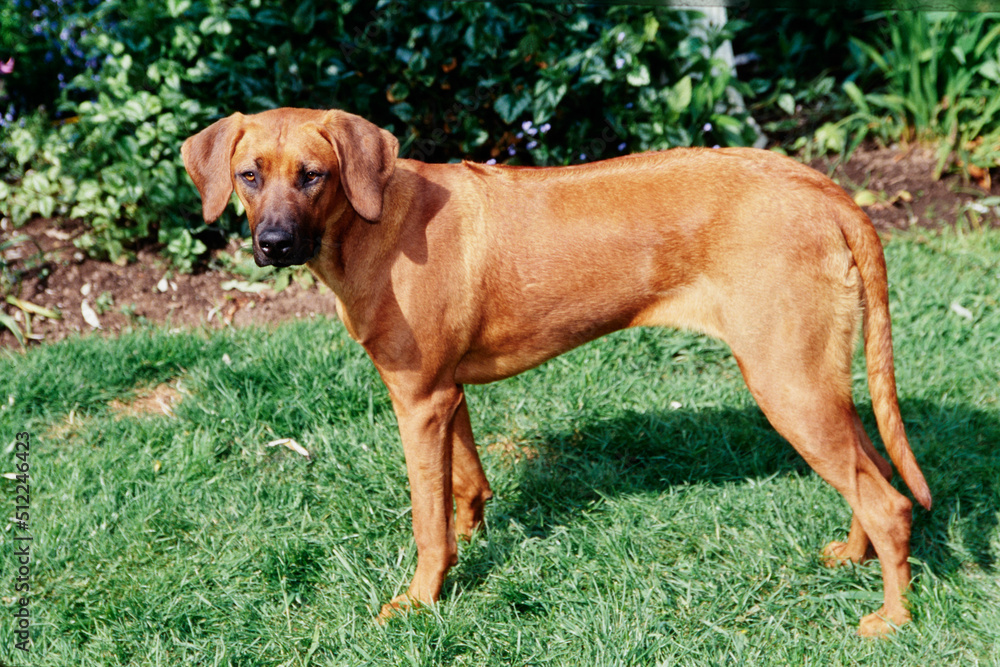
(957, 447)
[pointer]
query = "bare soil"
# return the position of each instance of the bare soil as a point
(144, 291)
(895, 185)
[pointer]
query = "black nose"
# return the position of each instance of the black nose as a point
(275, 243)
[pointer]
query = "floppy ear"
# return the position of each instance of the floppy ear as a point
(206, 158)
(367, 156)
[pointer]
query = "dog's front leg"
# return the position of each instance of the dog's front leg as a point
(427, 428)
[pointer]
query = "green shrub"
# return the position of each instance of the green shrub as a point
(517, 83)
(794, 62)
(35, 45)
(932, 77)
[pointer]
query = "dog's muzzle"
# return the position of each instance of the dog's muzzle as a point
(279, 247)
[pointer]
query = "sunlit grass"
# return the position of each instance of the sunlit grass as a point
(646, 513)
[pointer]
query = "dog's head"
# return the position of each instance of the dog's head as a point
(292, 169)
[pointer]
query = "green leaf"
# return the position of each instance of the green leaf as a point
(510, 108)
(865, 198)
(987, 41)
(548, 95)
(959, 54)
(650, 29)
(990, 70)
(830, 137)
(12, 324)
(282, 280)
(639, 77)
(679, 97)
(46, 206)
(786, 103)
(305, 17)
(215, 24)
(34, 308)
(177, 7)
(404, 111)
(856, 96)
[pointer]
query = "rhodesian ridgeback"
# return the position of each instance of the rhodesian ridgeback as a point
(451, 274)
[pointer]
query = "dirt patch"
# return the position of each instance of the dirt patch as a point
(158, 400)
(58, 277)
(901, 193)
(512, 452)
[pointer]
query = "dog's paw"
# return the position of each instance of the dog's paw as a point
(469, 531)
(469, 516)
(840, 553)
(399, 605)
(882, 623)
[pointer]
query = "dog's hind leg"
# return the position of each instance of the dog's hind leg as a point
(857, 548)
(469, 483)
(804, 390)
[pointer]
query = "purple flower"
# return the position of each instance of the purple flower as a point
(526, 126)
(629, 105)
(491, 161)
(7, 67)
(707, 127)
(583, 156)
(532, 144)
(511, 150)
(621, 146)
(621, 37)
(545, 128)
(619, 62)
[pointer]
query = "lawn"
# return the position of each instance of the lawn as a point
(645, 511)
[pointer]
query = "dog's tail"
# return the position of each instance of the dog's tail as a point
(866, 247)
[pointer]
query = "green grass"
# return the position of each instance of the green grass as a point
(626, 530)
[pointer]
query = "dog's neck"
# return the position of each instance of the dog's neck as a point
(356, 256)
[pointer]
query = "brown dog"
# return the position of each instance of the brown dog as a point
(465, 273)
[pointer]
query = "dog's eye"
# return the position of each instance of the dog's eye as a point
(249, 176)
(312, 176)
